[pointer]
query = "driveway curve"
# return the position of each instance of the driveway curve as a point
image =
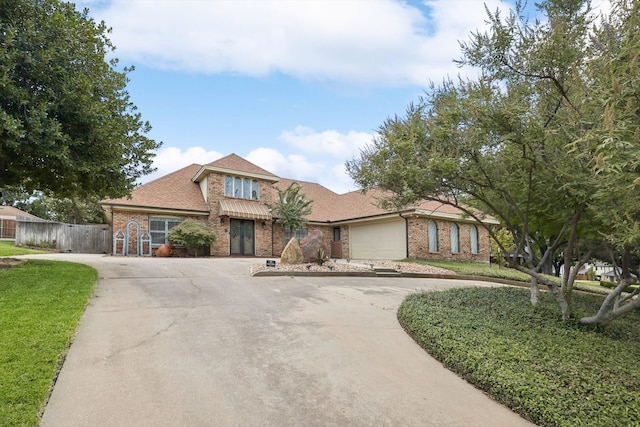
(199, 342)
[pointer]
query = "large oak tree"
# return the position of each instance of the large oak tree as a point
(67, 124)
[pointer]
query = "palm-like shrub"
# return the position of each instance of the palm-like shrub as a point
(292, 207)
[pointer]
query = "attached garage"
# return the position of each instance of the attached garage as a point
(379, 240)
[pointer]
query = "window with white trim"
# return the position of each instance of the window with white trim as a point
(455, 238)
(241, 188)
(159, 229)
(433, 237)
(474, 240)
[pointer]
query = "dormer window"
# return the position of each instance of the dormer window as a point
(241, 188)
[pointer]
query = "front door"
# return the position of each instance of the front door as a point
(242, 237)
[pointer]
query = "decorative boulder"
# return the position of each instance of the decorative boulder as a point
(165, 250)
(311, 244)
(291, 253)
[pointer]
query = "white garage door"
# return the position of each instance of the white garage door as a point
(382, 240)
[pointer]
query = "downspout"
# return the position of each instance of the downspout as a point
(406, 235)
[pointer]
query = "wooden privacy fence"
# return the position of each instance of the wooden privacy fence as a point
(83, 239)
(7, 228)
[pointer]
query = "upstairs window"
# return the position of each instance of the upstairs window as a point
(241, 188)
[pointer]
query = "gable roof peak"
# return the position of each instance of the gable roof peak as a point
(233, 163)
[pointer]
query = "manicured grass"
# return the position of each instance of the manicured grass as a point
(477, 269)
(41, 303)
(553, 373)
(483, 269)
(8, 248)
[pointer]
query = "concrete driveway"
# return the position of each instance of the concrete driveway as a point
(199, 342)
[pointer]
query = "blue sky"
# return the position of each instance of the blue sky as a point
(297, 87)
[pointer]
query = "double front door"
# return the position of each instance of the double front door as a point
(242, 237)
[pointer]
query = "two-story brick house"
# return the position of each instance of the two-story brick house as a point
(232, 196)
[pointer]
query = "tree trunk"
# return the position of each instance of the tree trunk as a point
(535, 291)
(605, 315)
(562, 302)
(621, 305)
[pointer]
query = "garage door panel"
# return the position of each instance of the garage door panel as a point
(384, 240)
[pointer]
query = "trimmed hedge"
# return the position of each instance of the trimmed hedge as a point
(551, 372)
(613, 285)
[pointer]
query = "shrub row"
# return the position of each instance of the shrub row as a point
(612, 285)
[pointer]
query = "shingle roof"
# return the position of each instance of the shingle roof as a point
(10, 211)
(237, 163)
(330, 206)
(173, 191)
(324, 200)
(177, 191)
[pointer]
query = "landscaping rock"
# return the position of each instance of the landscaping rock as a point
(292, 254)
(310, 245)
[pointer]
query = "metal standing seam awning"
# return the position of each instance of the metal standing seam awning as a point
(244, 209)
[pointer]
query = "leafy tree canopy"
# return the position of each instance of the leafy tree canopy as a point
(545, 139)
(72, 210)
(67, 125)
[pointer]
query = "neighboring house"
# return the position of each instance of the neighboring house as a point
(614, 275)
(601, 268)
(232, 196)
(8, 217)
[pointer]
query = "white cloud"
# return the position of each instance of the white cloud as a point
(384, 41)
(291, 166)
(324, 171)
(339, 181)
(170, 159)
(328, 142)
(601, 8)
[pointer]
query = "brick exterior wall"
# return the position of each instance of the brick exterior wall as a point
(344, 237)
(221, 225)
(119, 223)
(263, 238)
(120, 219)
(278, 239)
(215, 191)
(418, 241)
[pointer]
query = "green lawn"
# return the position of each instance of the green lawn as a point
(477, 269)
(8, 248)
(483, 269)
(41, 303)
(551, 372)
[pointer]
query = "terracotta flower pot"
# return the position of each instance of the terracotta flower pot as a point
(164, 250)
